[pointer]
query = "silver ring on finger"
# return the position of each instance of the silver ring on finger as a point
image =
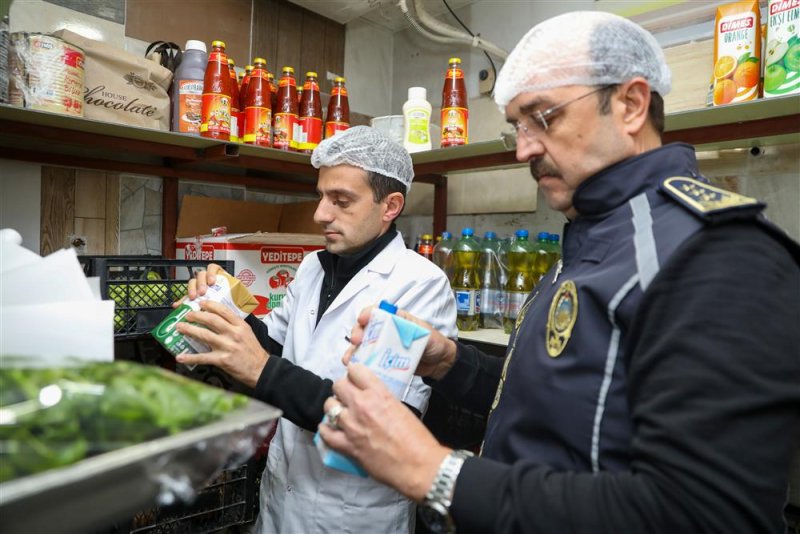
(333, 416)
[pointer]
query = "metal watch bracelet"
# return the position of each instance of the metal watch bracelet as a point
(440, 495)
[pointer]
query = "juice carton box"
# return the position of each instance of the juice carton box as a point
(737, 52)
(391, 348)
(227, 290)
(782, 54)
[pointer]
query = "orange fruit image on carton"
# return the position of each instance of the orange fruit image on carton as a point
(737, 52)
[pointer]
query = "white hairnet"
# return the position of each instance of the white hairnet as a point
(582, 48)
(368, 149)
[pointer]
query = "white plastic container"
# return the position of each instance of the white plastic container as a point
(391, 125)
(187, 88)
(417, 120)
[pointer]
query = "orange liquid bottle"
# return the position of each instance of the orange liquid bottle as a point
(237, 117)
(338, 117)
(285, 112)
(258, 107)
(273, 87)
(455, 115)
(310, 131)
(243, 81)
(215, 119)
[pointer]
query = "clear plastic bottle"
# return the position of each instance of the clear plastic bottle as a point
(187, 89)
(443, 254)
(555, 249)
(520, 278)
(541, 255)
(466, 281)
(417, 120)
(492, 301)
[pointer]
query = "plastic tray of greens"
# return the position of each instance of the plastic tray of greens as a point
(82, 446)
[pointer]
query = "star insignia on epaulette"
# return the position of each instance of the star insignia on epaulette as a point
(705, 199)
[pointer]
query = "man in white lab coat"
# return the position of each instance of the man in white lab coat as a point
(363, 179)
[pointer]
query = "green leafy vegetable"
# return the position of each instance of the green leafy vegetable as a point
(103, 406)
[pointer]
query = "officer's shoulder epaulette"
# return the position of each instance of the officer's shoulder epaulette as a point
(710, 203)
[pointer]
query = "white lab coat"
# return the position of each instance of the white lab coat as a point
(298, 494)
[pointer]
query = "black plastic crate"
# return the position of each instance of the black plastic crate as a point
(230, 500)
(143, 287)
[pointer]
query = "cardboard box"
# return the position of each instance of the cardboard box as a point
(260, 240)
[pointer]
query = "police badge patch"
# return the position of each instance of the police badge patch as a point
(561, 319)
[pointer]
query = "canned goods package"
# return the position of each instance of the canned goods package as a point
(46, 73)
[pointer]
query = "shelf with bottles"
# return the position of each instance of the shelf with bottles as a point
(492, 336)
(757, 123)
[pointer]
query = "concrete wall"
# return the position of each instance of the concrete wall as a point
(20, 200)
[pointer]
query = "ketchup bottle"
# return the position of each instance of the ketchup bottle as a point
(243, 81)
(300, 95)
(237, 117)
(285, 111)
(273, 89)
(258, 107)
(455, 115)
(216, 111)
(310, 115)
(338, 117)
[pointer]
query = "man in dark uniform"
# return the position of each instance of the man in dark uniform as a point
(652, 382)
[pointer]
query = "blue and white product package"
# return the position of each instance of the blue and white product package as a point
(391, 348)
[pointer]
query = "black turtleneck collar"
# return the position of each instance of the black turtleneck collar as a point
(622, 181)
(340, 269)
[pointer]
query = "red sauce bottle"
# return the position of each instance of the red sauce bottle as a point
(215, 119)
(273, 87)
(455, 115)
(285, 111)
(237, 117)
(310, 115)
(338, 117)
(244, 79)
(258, 107)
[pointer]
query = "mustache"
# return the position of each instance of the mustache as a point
(539, 168)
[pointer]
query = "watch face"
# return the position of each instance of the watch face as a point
(435, 517)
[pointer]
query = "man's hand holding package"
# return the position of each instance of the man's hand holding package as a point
(382, 434)
(234, 347)
(439, 355)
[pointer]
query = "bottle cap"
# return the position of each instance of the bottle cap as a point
(260, 61)
(521, 233)
(427, 237)
(339, 79)
(467, 232)
(231, 62)
(446, 235)
(249, 68)
(311, 74)
(417, 93)
(290, 70)
(454, 60)
(215, 44)
(270, 76)
(385, 305)
(554, 238)
(543, 236)
(490, 235)
(191, 44)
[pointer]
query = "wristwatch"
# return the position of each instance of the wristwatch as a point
(435, 509)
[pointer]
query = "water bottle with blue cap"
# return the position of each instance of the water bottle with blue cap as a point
(466, 281)
(521, 278)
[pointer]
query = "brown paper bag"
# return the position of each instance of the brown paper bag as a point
(122, 88)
